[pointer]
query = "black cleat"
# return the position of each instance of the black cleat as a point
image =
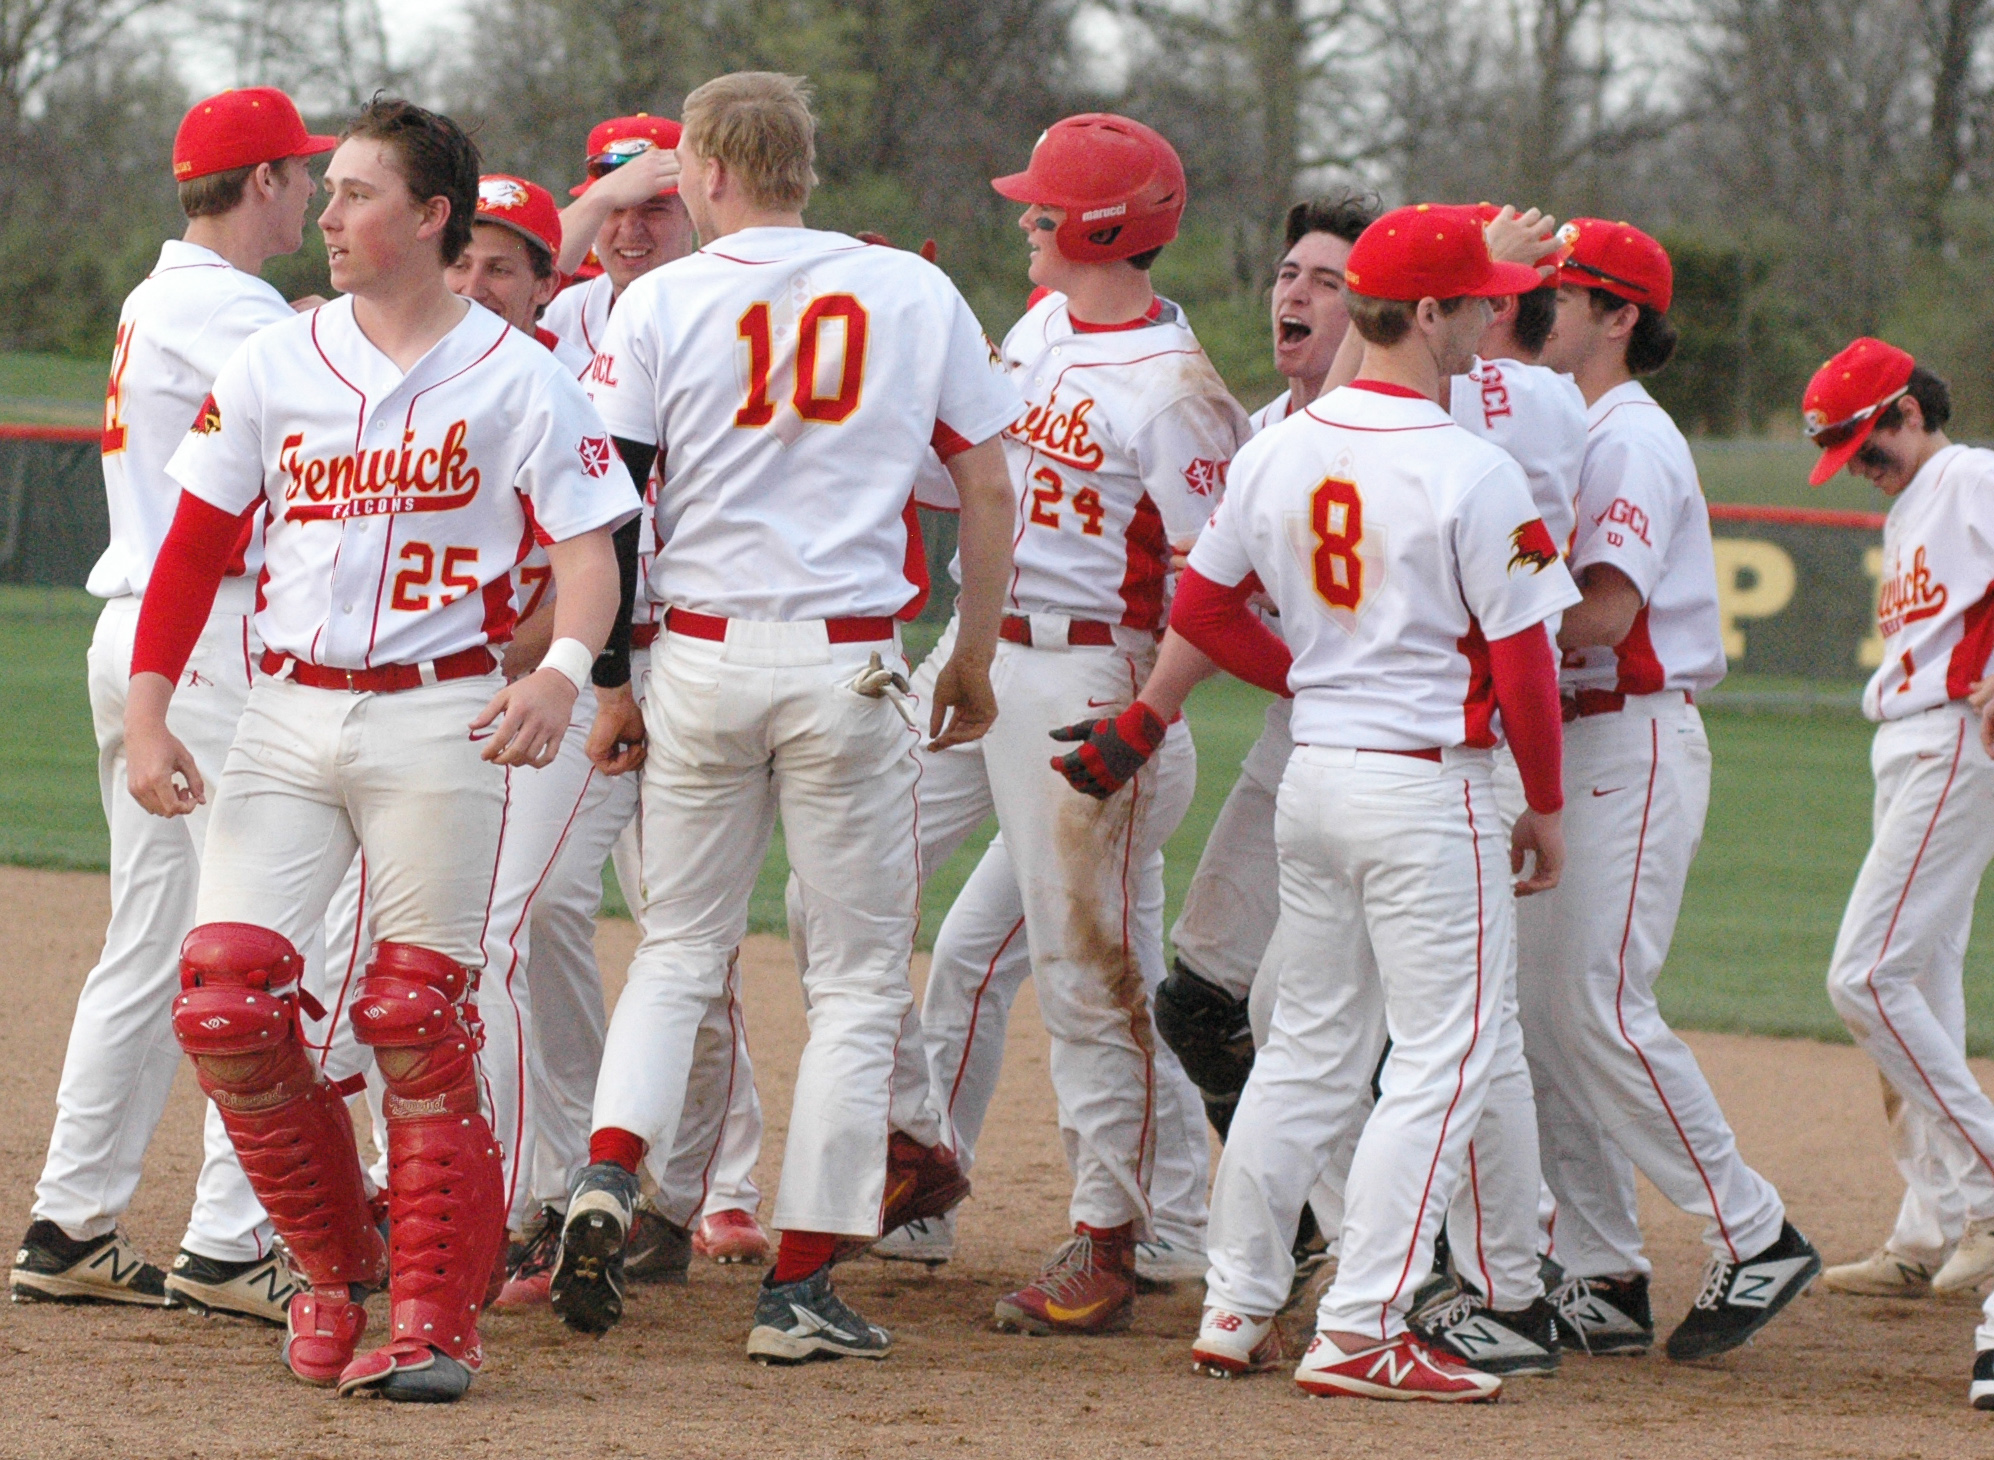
(804, 1320)
(1602, 1315)
(587, 1287)
(257, 1287)
(53, 1267)
(1522, 1342)
(659, 1250)
(1740, 1298)
(1982, 1392)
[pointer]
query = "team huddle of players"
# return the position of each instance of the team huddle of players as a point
(569, 535)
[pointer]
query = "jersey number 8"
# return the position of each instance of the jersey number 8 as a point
(1336, 513)
(758, 409)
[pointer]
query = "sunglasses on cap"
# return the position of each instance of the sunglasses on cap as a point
(1836, 433)
(615, 155)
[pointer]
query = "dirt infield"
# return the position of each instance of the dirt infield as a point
(1836, 1377)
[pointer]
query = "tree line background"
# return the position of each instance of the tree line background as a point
(1818, 168)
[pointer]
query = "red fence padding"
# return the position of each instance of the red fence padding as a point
(1795, 516)
(78, 434)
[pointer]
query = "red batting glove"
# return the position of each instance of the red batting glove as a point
(1110, 752)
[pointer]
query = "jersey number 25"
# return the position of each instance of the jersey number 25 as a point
(839, 309)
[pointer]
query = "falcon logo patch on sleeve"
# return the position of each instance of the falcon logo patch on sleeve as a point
(1204, 477)
(208, 419)
(1531, 547)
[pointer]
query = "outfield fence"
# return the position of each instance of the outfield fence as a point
(1796, 586)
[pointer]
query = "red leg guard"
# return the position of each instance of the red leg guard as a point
(237, 1018)
(446, 1186)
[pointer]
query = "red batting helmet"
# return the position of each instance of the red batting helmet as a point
(1121, 184)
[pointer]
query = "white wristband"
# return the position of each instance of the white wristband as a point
(570, 657)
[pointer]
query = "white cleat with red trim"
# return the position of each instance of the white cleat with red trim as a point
(1400, 1368)
(1230, 1344)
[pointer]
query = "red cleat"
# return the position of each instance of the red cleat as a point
(1088, 1286)
(731, 1236)
(324, 1326)
(1402, 1368)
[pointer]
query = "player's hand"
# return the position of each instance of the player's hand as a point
(532, 715)
(161, 771)
(1110, 751)
(639, 180)
(1521, 238)
(963, 686)
(1541, 833)
(927, 249)
(1180, 552)
(616, 741)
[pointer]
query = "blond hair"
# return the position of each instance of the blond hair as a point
(759, 124)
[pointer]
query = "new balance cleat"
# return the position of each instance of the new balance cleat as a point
(52, 1267)
(659, 1250)
(1436, 1292)
(1524, 1341)
(1971, 1263)
(1740, 1298)
(1882, 1274)
(1230, 1344)
(1602, 1315)
(804, 1320)
(1402, 1368)
(731, 1236)
(586, 1287)
(258, 1287)
(1981, 1394)
(1161, 1264)
(925, 1239)
(1087, 1287)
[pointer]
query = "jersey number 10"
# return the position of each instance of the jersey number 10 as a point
(758, 409)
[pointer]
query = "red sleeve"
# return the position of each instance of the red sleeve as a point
(1526, 691)
(1217, 622)
(182, 588)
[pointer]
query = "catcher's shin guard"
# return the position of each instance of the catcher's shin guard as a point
(237, 1018)
(446, 1190)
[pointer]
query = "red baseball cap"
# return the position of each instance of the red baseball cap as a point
(524, 207)
(616, 141)
(1619, 258)
(1845, 398)
(241, 129)
(1431, 251)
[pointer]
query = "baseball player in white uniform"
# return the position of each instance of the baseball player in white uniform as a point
(1895, 977)
(793, 382)
(1124, 439)
(1400, 551)
(402, 447)
(1615, 1088)
(239, 162)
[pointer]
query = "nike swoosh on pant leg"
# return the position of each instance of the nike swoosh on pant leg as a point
(1608, 791)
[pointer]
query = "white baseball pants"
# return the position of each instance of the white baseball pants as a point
(1897, 969)
(768, 719)
(1396, 913)
(121, 1058)
(1616, 1089)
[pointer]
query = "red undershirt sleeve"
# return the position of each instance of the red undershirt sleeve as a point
(1217, 622)
(1526, 691)
(181, 591)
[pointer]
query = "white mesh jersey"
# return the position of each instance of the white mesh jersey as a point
(1641, 510)
(579, 315)
(395, 506)
(1123, 446)
(1935, 599)
(1396, 546)
(1539, 417)
(176, 331)
(797, 383)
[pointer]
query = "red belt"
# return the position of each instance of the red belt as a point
(1430, 752)
(837, 630)
(643, 636)
(1080, 633)
(1583, 704)
(464, 664)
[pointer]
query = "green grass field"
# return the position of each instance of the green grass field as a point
(1789, 823)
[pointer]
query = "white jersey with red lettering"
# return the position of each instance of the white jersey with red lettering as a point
(791, 459)
(579, 314)
(1273, 413)
(1539, 417)
(572, 354)
(1935, 606)
(1641, 510)
(1122, 446)
(391, 525)
(1392, 566)
(176, 331)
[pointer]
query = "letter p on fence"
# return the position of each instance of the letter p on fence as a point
(1754, 580)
